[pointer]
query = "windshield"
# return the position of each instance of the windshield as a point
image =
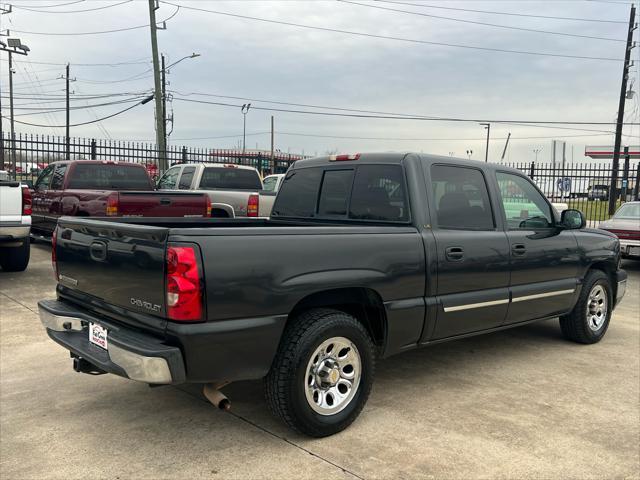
(230, 178)
(110, 176)
(629, 210)
(270, 183)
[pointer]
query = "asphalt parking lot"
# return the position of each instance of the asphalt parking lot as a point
(521, 403)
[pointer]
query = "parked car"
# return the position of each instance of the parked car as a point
(364, 256)
(15, 225)
(601, 194)
(234, 187)
(268, 194)
(92, 188)
(625, 224)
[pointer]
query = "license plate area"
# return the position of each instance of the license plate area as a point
(98, 335)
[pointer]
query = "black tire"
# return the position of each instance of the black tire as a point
(15, 259)
(575, 325)
(286, 382)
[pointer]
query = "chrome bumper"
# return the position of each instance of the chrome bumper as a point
(72, 332)
(16, 232)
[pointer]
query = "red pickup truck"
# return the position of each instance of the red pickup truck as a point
(93, 188)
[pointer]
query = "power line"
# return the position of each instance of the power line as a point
(398, 39)
(510, 14)
(115, 30)
(53, 6)
(36, 9)
(137, 76)
(114, 64)
(82, 123)
(39, 111)
(474, 22)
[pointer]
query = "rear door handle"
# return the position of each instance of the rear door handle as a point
(519, 249)
(454, 254)
(165, 201)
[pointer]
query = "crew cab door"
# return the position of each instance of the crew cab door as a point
(472, 252)
(544, 258)
(40, 204)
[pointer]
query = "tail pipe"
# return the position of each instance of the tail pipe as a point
(215, 396)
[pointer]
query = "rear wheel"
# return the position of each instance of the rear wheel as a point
(322, 374)
(15, 259)
(589, 319)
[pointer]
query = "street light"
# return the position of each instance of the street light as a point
(488, 127)
(245, 110)
(537, 151)
(193, 55)
(13, 45)
(469, 153)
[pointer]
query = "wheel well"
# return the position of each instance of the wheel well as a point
(609, 271)
(219, 213)
(363, 304)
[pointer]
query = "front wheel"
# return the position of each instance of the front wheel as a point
(322, 374)
(589, 319)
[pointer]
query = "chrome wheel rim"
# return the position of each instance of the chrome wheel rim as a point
(332, 376)
(596, 307)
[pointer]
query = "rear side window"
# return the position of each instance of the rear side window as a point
(298, 193)
(186, 178)
(334, 195)
(93, 176)
(58, 177)
(379, 194)
(230, 178)
(460, 198)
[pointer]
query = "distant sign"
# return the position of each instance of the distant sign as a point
(564, 184)
(607, 151)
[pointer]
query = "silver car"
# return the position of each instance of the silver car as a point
(625, 224)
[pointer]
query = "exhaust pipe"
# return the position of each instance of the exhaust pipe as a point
(218, 399)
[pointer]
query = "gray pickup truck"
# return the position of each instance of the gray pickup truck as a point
(233, 189)
(363, 257)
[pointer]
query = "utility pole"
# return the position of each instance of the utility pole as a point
(68, 140)
(160, 134)
(623, 91)
(164, 101)
(273, 163)
(486, 154)
(3, 11)
(506, 144)
(12, 126)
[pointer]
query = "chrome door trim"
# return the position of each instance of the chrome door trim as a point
(543, 295)
(469, 306)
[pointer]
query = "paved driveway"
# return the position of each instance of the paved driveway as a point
(520, 403)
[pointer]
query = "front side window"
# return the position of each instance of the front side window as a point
(186, 178)
(169, 179)
(460, 198)
(334, 194)
(44, 180)
(524, 206)
(58, 177)
(379, 194)
(269, 184)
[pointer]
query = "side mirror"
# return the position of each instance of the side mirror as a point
(573, 219)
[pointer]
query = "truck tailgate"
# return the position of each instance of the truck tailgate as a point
(10, 201)
(120, 264)
(162, 204)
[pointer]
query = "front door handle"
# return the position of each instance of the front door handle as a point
(454, 254)
(165, 201)
(519, 249)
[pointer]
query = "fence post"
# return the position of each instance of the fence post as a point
(94, 152)
(532, 170)
(625, 176)
(636, 195)
(184, 154)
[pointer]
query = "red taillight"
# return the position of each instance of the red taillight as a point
(184, 285)
(626, 234)
(112, 205)
(208, 205)
(54, 258)
(253, 205)
(27, 204)
(343, 158)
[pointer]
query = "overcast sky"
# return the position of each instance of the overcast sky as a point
(258, 62)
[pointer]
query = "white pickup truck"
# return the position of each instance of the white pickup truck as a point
(15, 225)
(233, 189)
(268, 194)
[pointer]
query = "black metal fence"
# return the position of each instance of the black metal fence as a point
(27, 155)
(582, 185)
(585, 186)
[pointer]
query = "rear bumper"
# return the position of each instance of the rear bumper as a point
(14, 232)
(130, 354)
(630, 248)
